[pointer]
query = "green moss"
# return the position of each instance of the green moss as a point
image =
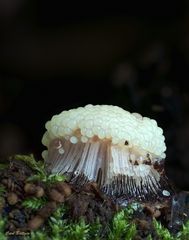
(58, 227)
(162, 232)
(34, 203)
(37, 235)
(3, 222)
(2, 190)
(39, 168)
(61, 229)
(3, 166)
(184, 233)
(122, 226)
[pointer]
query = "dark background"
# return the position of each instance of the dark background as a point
(54, 57)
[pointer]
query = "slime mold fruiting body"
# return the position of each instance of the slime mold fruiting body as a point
(123, 152)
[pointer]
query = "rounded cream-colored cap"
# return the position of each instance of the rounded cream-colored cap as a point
(107, 122)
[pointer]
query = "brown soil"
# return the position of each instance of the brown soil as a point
(87, 202)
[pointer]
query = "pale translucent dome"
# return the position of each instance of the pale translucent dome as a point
(107, 122)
